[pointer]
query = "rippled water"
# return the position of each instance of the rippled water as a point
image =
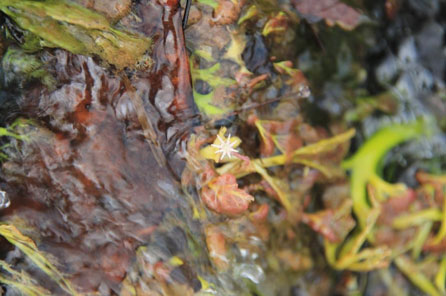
(88, 181)
(97, 185)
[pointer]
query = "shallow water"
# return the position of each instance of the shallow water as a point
(97, 186)
(88, 181)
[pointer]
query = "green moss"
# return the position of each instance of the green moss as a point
(59, 23)
(26, 66)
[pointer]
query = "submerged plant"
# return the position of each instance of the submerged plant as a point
(20, 281)
(382, 208)
(14, 131)
(206, 102)
(365, 165)
(29, 248)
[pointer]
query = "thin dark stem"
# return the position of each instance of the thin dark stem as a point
(186, 13)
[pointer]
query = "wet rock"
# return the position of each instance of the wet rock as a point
(431, 51)
(195, 15)
(84, 155)
(425, 8)
(387, 71)
(407, 53)
(112, 9)
(256, 55)
(88, 181)
(213, 36)
(252, 272)
(5, 202)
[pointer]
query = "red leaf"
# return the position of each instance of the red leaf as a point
(334, 225)
(223, 196)
(260, 214)
(332, 11)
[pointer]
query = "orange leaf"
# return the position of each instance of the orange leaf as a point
(216, 243)
(223, 196)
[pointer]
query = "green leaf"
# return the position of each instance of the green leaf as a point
(365, 163)
(416, 276)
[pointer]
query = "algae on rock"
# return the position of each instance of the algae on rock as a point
(64, 24)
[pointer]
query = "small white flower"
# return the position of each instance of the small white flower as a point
(226, 147)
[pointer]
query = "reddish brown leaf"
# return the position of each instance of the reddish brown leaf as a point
(260, 214)
(395, 206)
(332, 11)
(161, 271)
(294, 260)
(280, 134)
(429, 182)
(227, 12)
(216, 243)
(277, 24)
(333, 225)
(223, 196)
(432, 247)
